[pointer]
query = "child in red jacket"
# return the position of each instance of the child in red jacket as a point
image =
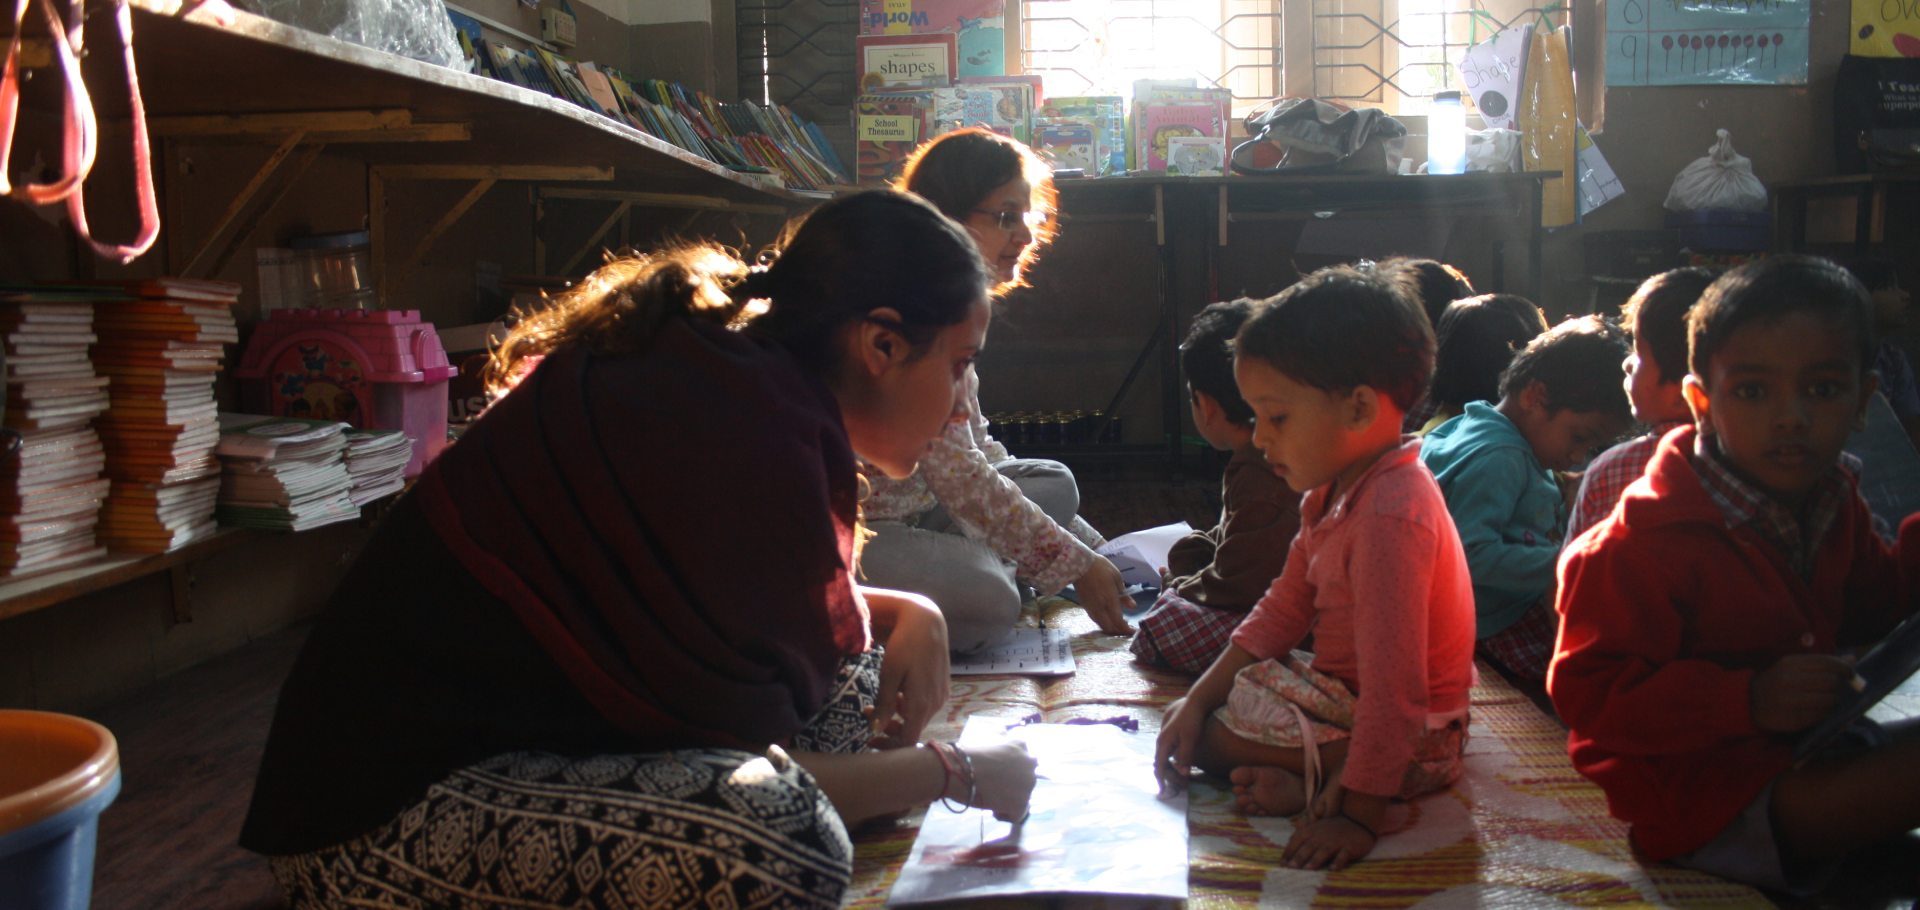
(1702, 618)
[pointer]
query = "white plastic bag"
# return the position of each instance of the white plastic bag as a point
(1496, 151)
(1723, 181)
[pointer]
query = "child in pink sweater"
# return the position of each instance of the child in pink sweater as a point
(1377, 575)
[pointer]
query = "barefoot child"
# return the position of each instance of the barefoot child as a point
(1376, 575)
(1703, 616)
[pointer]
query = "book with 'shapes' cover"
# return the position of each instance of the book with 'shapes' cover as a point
(978, 26)
(886, 128)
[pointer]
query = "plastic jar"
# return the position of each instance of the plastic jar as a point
(337, 270)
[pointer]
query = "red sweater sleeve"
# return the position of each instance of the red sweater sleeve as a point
(1618, 678)
(1391, 574)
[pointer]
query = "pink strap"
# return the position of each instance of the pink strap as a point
(1309, 757)
(142, 164)
(79, 129)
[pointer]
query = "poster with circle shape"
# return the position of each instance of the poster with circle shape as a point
(1885, 28)
(1708, 42)
(1491, 72)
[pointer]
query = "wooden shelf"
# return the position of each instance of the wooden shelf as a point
(34, 592)
(195, 64)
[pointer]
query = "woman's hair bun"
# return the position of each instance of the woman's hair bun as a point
(758, 285)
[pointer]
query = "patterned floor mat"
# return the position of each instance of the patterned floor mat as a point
(1522, 829)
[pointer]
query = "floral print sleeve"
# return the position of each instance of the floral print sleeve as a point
(992, 509)
(977, 423)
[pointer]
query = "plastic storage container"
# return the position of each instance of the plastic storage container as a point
(1723, 231)
(377, 369)
(57, 774)
(336, 270)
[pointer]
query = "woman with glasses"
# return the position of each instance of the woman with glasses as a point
(974, 523)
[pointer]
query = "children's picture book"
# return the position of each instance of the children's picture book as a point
(1066, 143)
(1005, 108)
(906, 61)
(1108, 116)
(1162, 122)
(1165, 108)
(1096, 824)
(886, 127)
(1197, 156)
(978, 27)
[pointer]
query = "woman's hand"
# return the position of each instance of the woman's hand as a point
(1003, 777)
(913, 675)
(1335, 840)
(1180, 730)
(1104, 596)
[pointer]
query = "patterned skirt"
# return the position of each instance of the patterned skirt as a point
(688, 828)
(1285, 702)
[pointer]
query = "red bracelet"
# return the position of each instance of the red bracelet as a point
(947, 771)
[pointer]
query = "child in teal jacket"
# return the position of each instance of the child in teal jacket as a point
(1559, 400)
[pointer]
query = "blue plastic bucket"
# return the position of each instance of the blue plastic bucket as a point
(57, 774)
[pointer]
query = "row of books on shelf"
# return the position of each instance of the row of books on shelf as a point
(1171, 125)
(741, 136)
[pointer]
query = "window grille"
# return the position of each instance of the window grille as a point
(1099, 47)
(798, 53)
(1396, 54)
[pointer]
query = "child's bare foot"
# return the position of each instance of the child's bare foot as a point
(1268, 790)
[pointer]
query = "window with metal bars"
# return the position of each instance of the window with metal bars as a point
(1395, 54)
(1392, 54)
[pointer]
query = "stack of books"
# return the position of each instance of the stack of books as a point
(283, 473)
(376, 463)
(50, 491)
(162, 346)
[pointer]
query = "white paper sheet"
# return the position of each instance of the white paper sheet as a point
(1147, 548)
(1098, 825)
(1030, 652)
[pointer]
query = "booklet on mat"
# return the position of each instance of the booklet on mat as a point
(1097, 826)
(1030, 652)
(1891, 663)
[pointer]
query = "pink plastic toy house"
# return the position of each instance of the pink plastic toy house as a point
(377, 369)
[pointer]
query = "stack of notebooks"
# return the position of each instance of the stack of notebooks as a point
(283, 473)
(162, 347)
(376, 463)
(50, 492)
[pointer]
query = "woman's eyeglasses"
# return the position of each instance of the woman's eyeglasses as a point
(1008, 219)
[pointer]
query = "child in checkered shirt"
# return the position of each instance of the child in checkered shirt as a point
(1559, 399)
(1656, 315)
(1213, 577)
(1704, 617)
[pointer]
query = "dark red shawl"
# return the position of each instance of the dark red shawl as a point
(674, 528)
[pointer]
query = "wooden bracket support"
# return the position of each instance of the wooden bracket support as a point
(300, 137)
(247, 208)
(484, 176)
(626, 201)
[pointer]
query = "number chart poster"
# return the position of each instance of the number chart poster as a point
(1707, 42)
